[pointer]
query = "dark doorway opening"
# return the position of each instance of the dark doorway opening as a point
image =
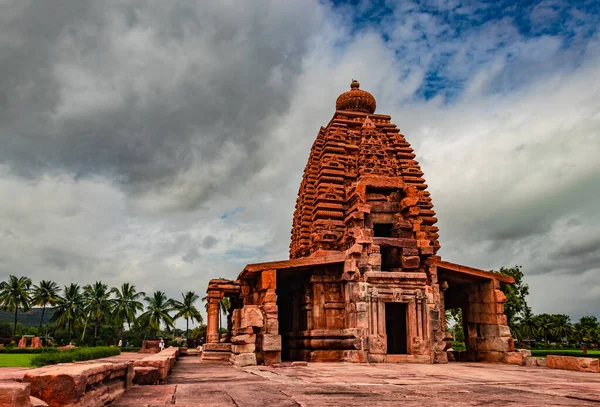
(290, 291)
(395, 327)
(382, 229)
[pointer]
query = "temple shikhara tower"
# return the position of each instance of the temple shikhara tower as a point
(363, 282)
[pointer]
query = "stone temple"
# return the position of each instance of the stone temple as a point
(363, 282)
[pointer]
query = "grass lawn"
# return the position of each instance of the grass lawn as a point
(16, 360)
(566, 352)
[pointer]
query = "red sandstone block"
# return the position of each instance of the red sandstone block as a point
(14, 394)
(491, 357)
(268, 279)
(243, 339)
(270, 358)
(499, 296)
(247, 348)
(146, 375)
(514, 358)
(270, 308)
(271, 342)
(270, 296)
(253, 317)
(573, 363)
(244, 359)
(410, 262)
(271, 326)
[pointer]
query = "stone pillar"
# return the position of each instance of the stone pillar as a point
(271, 340)
(212, 323)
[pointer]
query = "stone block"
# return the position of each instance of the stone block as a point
(247, 348)
(253, 317)
(410, 262)
(91, 384)
(376, 358)
(362, 307)
(374, 259)
(499, 296)
(270, 358)
(355, 356)
(514, 358)
(270, 296)
(271, 342)
(244, 359)
(377, 344)
(487, 330)
(504, 344)
(271, 326)
(535, 361)
(490, 357)
(243, 339)
(146, 375)
(526, 352)
(268, 280)
(270, 308)
(13, 394)
(573, 363)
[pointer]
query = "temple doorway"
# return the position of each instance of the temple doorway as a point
(395, 328)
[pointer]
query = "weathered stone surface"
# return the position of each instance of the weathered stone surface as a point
(35, 402)
(162, 361)
(247, 348)
(79, 384)
(146, 375)
(514, 358)
(252, 317)
(271, 342)
(13, 394)
(526, 352)
(244, 359)
(535, 361)
(243, 339)
(573, 363)
(150, 346)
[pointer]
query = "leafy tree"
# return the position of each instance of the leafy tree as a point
(157, 312)
(516, 295)
(125, 305)
(188, 310)
(45, 293)
(69, 308)
(589, 321)
(97, 305)
(14, 294)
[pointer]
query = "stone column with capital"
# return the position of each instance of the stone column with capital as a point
(212, 323)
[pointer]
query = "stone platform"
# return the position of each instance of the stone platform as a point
(216, 384)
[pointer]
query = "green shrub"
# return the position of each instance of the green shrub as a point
(27, 350)
(74, 355)
(456, 345)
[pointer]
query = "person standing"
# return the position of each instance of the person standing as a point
(161, 345)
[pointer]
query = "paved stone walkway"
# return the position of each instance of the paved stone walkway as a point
(195, 384)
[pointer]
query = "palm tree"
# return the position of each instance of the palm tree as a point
(126, 304)
(69, 308)
(96, 304)
(188, 310)
(527, 326)
(545, 326)
(157, 312)
(562, 326)
(14, 294)
(224, 306)
(46, 292)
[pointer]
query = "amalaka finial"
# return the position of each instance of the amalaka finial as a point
(356, 100)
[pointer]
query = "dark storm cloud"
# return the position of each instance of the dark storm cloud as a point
(209, 242)
(144, 92)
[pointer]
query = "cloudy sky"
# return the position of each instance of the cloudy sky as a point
(162, 143)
